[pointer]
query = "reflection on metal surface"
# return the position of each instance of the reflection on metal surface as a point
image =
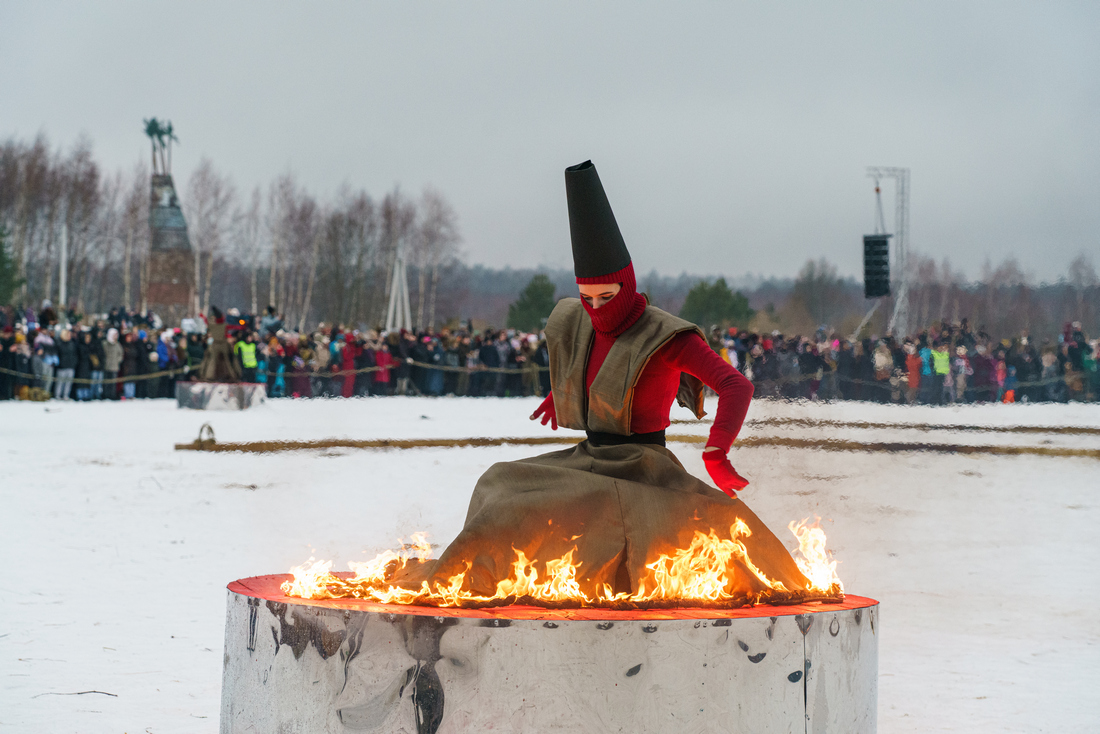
(219, 395)
(347, 666)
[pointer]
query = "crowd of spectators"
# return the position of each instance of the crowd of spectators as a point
(125, 356)
(945, 363)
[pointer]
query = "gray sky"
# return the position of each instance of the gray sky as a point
(731, 137)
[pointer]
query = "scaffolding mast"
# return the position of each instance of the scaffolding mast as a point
(899, 320)
(398, 313)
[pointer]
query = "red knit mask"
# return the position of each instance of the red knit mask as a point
(620, 313)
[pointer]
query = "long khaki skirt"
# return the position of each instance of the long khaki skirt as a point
(620, 507)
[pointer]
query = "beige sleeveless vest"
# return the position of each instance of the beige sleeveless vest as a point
(607, 406)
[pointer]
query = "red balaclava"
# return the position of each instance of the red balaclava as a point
(620, 313)
(599, 252)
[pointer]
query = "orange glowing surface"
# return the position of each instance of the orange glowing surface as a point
(269, 588)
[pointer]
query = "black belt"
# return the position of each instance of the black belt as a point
(599, 438)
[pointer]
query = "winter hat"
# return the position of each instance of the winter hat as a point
(599, 252)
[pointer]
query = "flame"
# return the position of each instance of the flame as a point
(309, 579)
(812, 558)
(703, 572)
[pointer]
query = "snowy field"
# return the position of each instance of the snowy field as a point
(116, 548)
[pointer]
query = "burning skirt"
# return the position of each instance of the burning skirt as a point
(609, 525)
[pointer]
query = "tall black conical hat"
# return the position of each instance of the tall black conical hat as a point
(598, 247)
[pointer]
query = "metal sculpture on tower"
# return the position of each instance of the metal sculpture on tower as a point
(171, 275)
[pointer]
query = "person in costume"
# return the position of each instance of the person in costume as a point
(619, 498)
(218, 363)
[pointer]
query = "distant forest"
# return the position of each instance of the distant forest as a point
(267, 245)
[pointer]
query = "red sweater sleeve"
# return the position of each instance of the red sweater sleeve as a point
(689, 353)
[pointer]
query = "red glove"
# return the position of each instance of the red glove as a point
(546, 410)
(723, 473)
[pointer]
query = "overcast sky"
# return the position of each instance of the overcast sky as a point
(730, 137)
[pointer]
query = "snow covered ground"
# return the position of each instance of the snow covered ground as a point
(116, 548)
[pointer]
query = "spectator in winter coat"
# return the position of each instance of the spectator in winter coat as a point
(1028, 370)
(866, 370)
(384, 360)
(913, 366)
(542, 359)
(488, 356)
(984, 381)
(133, 354)
(808, 366)
(883, 362)
(299, 382)
(961, 370)
(87, 361)
(112, 362)
(434, 378)
(941, 371)
(846, 370)
(1011, 385)
(1091, 367)
(47, 317)
(45, 349)
(364, 360)
(270, 324)
(7, 362)
(97, 363)
(1054, 387)
(21, 363)
(321, 355)
(67, 359)
(347, 366)
(196, 348)
(162, 357)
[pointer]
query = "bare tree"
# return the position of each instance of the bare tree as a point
(293, 220)
(281, 198)
(25, 176)
(1082, 277)
(136, 229)
(83, 205)
(106, 237)
(437, 241)
(209, 206)
(248, 230)
(363, 231)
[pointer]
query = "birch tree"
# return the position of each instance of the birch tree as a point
(208, 206)
(135, 230)
(437, 242)
(248, 229)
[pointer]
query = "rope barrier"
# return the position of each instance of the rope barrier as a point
(268, 373)
(780, 381)
(817, 423)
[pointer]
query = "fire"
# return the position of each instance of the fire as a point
(812, 559)
(703, 572)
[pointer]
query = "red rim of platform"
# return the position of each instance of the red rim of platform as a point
(267, 588)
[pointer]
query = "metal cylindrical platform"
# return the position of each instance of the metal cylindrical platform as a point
(295, 665)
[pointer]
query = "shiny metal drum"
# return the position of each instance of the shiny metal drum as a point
(294, 665)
